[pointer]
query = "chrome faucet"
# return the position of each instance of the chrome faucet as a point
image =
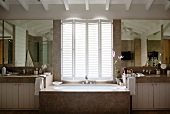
(86, 77)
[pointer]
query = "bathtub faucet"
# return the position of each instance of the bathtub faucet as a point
(86, 77)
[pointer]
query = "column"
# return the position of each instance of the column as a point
(56, 50)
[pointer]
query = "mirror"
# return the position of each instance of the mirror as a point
(166, 43)
(6, 42)
(143, 39)
(154, 49)
(32, 44)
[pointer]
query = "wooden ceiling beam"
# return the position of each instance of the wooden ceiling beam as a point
(45, 4)
(128, 4)
(24, 4)
(107, 4)
(148, 5)
(4, 4)
(66, 4)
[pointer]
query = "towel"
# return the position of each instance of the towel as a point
(29, 61)
(39, 84)
(131, 85)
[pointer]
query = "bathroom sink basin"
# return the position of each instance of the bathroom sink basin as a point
(56, 83)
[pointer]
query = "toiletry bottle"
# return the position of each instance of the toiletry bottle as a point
(23, 71)
(36, 71)
(3, 70)
(40, 71)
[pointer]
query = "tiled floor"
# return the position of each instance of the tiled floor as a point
(19, 112)
(152, 112)
(37, 112)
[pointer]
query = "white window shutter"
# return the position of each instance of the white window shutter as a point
(80, 50)
(87, 50)
(106, 49)
(93, 50)
(67, 70)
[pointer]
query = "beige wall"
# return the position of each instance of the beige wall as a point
(78, 11)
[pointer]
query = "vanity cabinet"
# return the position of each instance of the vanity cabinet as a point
(18, 96)
(134, 98)
(151, 96)
(0, 95)
(167, 95)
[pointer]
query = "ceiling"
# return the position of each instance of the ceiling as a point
(66, 3)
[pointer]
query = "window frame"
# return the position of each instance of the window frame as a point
(99, 22)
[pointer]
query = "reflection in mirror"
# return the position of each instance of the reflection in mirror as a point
(6, 42)
(166, 43)
(154, 49)
(1, 43)
(33, 40)
(143, 39)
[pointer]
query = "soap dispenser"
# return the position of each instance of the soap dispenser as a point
(3, 70)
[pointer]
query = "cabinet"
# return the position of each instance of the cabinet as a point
(18, 96)
(0, 95)
(167, 95)
(134, 98)
(151, 96)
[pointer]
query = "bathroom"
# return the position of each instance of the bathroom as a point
(124, 39)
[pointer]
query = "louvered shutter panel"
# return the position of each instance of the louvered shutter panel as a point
(67, 54)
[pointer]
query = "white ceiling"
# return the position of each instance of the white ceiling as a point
(45, 3)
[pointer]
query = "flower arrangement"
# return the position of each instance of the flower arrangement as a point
(115, 62)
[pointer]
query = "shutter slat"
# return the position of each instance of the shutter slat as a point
(67, 51)
(106, 49)
(93, 50)
(80, 50)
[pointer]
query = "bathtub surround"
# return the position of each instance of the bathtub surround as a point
(117, 43)
(56, 50)
(84, 103)
(88, 100)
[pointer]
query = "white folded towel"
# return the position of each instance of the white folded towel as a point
(131, 85)
(39, 84)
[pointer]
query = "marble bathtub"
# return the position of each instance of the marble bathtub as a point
(90, 88)
(85, 99)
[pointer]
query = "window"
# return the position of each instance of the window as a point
(87, 50)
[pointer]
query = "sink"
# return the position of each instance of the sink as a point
(15, 73)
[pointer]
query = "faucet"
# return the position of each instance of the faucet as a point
(86, 79)
(149, 71)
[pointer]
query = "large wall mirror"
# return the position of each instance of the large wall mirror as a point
(166, 44)
(141, 39)
(6, 42)
(29, 42)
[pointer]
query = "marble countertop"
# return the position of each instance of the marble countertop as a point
(86, 88)
(153, 78)
(155, 75)
(21, 78)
